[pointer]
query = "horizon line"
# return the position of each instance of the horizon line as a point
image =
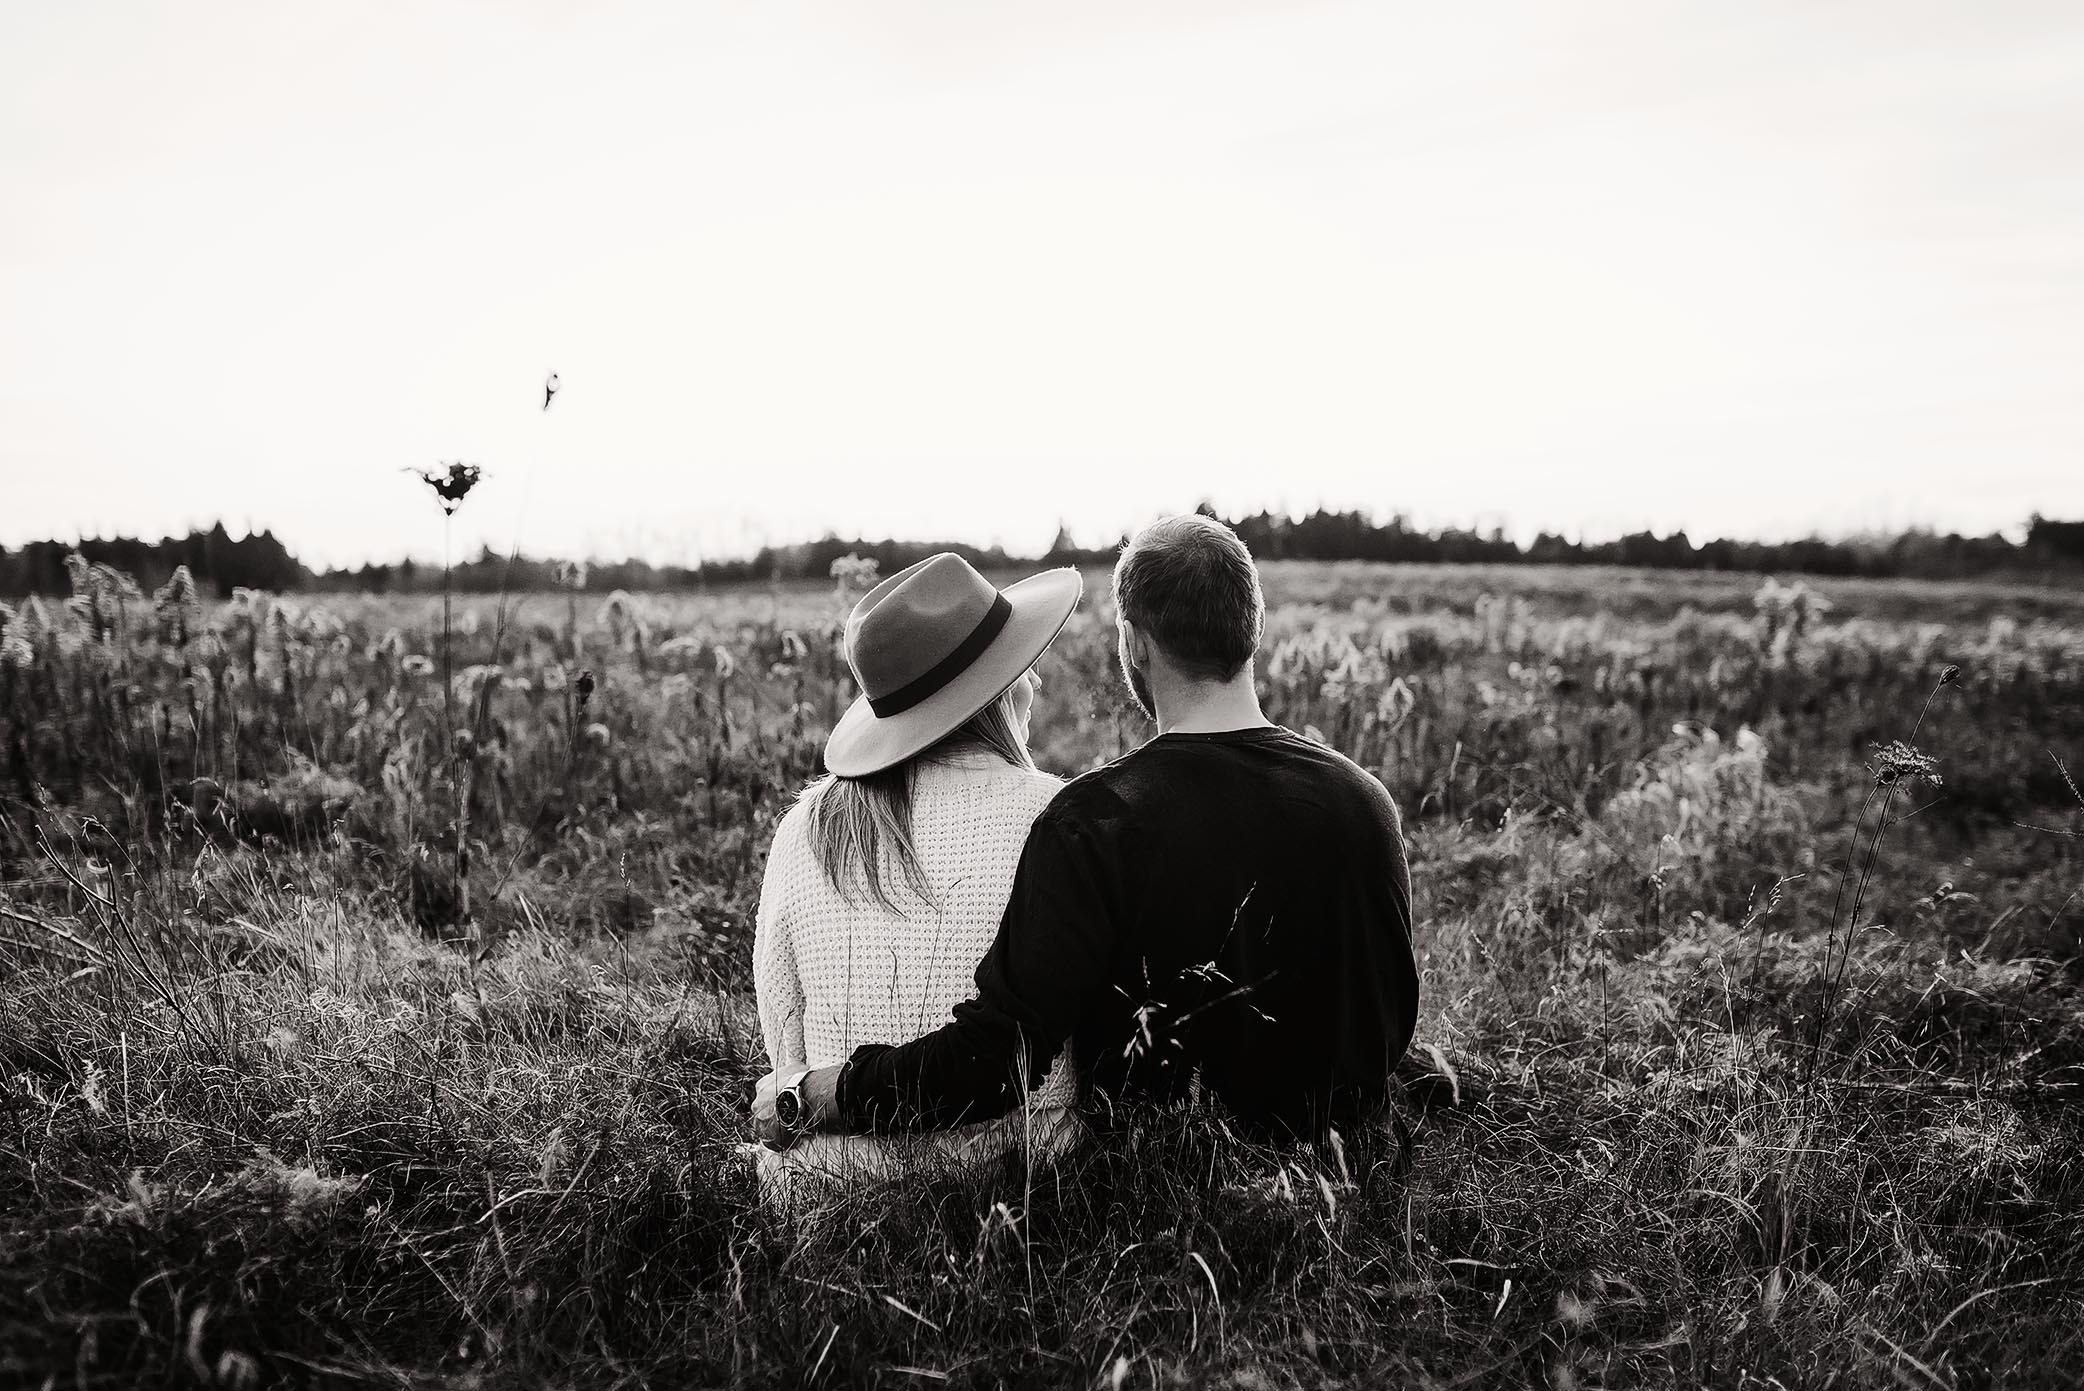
(701, 559)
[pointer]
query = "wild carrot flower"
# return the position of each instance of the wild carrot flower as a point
(1896, 761)
(726, 664)
(415, 664)
(451, 485)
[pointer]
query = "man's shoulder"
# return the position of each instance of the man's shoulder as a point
(1350, 770)
(1144, 774)
(1093, 794)
(1363, 787)
(1147, 771)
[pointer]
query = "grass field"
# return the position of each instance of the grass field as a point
(366, 1028)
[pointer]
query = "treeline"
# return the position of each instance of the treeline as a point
(2049, 546)
(489, 572)
(216, 561)
(259, 561)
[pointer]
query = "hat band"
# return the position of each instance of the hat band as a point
(949, 667)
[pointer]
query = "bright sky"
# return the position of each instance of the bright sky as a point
(962, 269)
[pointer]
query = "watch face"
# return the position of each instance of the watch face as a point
(788, 1108)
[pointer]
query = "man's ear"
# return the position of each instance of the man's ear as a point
(1135, 644)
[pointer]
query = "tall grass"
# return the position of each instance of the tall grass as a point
(278, 1107)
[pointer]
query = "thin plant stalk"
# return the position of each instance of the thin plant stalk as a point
(448, 720)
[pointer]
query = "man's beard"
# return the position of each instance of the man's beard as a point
(1138, 687)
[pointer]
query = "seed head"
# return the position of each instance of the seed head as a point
(584, 686)
(1950, 676)
(852, 572)
(178, 608)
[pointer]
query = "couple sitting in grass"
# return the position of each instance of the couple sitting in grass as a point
(1222, 914)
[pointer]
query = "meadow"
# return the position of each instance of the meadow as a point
(374, 1006)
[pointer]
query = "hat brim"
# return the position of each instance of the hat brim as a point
(861, 743)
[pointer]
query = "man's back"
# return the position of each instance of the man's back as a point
(1263, 926)
(1224, 911)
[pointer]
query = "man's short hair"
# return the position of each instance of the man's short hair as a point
(1189, 584)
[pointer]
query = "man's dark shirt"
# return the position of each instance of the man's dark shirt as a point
(1230, 908)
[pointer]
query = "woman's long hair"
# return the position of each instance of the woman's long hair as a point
(861, 828)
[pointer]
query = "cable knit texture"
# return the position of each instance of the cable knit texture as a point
(832, 975)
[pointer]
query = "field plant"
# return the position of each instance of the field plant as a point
(376, 1006)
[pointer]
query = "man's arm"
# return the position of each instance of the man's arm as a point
(1054, 950)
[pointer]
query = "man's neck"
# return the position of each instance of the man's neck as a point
(1198, 707)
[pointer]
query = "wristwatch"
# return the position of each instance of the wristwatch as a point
(788, 1104)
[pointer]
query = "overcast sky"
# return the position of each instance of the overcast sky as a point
(956, 269)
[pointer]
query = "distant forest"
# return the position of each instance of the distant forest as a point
(259, 561)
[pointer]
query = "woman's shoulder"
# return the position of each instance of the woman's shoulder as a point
(793, 817)
(1036, 783)
(791, 839)
(1027, 782)
(1024, 793)
(994, 782)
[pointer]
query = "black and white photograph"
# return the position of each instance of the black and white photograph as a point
(1112, 694)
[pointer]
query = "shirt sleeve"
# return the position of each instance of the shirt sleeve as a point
(1054, 949)
(777, 985)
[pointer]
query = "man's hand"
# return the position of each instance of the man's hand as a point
(820, 1107)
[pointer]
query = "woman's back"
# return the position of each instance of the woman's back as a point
(833, 975)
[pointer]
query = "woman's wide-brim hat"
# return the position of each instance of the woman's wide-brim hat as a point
(933, 645)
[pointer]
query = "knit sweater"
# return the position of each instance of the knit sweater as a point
(831, 975)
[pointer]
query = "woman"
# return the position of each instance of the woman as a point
(888, 877)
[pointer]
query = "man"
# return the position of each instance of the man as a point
(1225, 911)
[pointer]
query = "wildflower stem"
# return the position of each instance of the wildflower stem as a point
(448, 720)
(1887, 779)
